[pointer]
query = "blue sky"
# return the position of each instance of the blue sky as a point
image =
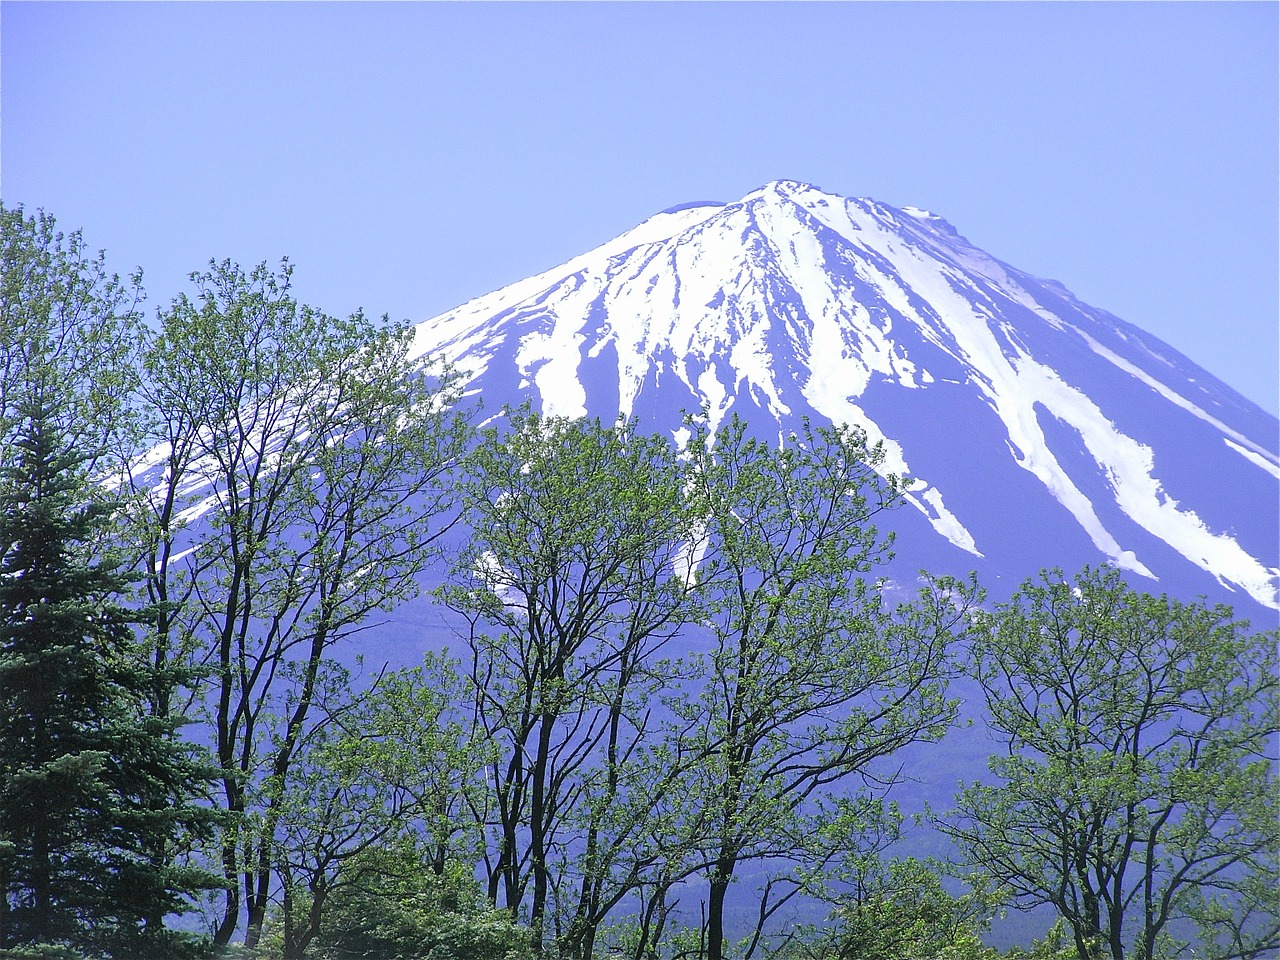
(410, 156)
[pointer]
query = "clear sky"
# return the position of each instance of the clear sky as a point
(410, 156)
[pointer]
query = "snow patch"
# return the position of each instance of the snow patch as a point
(1172, 395)
(1253, 457)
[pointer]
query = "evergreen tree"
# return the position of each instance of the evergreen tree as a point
(91, 788)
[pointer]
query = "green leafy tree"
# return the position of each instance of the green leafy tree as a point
(810, 679)
(387, 766)
(298, 485)
(886, 907)
(905, 913)
(1137, 789)
(576, 578)
(393, 904)
(64, 317)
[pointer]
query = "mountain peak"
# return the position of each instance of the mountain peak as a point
(786, 187)
(1014, 406)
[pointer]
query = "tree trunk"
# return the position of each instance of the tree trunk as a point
(42, 883)
(537, 837)
(256, 913)
(720, 878)
(231, 908)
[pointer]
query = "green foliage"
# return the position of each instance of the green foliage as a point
(95, 790)
(41, 952)
(1137, 789)
(70, 330)
(86, 778)
(385, 766)
(395, 905)
(1057, 944)
(576, 579)
(811, 679)
(887, 908)
(317, 454)
(906, 914)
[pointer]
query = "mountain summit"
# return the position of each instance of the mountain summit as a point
(1039, 431)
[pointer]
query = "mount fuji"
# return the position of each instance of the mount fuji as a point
(1037, 431)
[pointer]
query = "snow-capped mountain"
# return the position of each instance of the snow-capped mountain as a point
(1039, 431)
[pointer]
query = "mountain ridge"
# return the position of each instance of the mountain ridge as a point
(794, 302)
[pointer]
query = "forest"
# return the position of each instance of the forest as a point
(668, 722)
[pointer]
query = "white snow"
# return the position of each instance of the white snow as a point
(550, 359)
(1015, 386)
(838, 373)
(1174, 397)
(459, 331)
(684, 285)
(1253, 457)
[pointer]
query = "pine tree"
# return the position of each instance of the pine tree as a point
(93, 791)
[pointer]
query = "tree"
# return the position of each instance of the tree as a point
(810, 679)
(394, 905)
(62, 314)
(886, 907)
(1137, 789)
(93, 788)
(385, 767)
(298, 485)
(576, 577)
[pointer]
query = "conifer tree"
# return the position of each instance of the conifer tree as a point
(91, 788)
(97, 793)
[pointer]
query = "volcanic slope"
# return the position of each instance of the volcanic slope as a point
(1039, 431)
